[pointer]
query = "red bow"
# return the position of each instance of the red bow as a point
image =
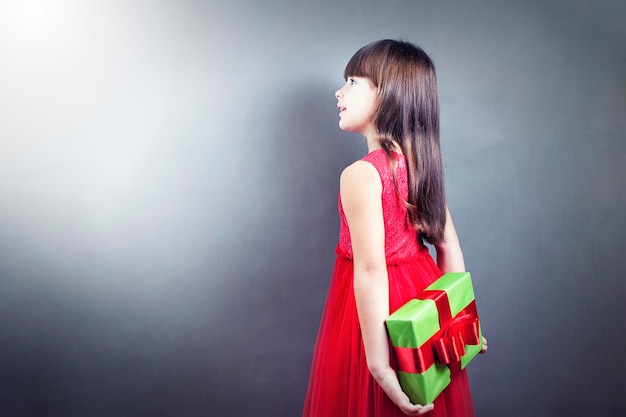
(447, 346)
(462, 330)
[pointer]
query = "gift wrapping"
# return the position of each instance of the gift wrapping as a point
(434, 336)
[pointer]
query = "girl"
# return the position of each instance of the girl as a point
(389, 203)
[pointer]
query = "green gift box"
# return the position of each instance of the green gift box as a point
(434, 336)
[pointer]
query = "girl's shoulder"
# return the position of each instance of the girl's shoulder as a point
(384, 163)
(362, 168)
(372, 169)
(359, 174)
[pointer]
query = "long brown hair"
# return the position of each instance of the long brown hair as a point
(408, 114)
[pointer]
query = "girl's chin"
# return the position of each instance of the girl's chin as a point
(347, 128)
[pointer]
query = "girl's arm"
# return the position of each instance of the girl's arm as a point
(449, 254)
(361, 191)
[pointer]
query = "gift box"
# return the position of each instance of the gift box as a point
(435, 335)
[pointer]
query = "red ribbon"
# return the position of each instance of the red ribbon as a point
(447, 346)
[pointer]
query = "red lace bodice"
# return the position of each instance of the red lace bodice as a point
(401, 242)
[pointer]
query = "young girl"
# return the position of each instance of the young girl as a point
(389, 203)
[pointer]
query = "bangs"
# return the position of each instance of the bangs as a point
(367, 62)
(356, 67)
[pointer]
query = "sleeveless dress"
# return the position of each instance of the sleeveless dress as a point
(340, 384)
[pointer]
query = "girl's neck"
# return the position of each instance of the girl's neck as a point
(373, 143)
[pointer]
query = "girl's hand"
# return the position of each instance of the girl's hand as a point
(388, 380)
(484, 348)
(414, 409)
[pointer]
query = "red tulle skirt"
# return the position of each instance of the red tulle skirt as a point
(340, 384)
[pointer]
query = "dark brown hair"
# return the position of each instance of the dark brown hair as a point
(408, 114)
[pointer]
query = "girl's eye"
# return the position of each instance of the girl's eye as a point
(351, 81)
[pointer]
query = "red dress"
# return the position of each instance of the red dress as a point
(340, 384)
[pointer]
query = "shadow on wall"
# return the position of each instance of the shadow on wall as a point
(283, 281)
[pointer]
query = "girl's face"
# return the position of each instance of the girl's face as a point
(357, 101)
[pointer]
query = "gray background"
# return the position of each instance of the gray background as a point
(168, 184)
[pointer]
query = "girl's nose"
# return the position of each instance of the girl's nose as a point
(338, 93)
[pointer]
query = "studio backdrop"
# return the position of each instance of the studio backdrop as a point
(168, 198)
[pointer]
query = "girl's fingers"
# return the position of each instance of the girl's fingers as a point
(484, 348)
